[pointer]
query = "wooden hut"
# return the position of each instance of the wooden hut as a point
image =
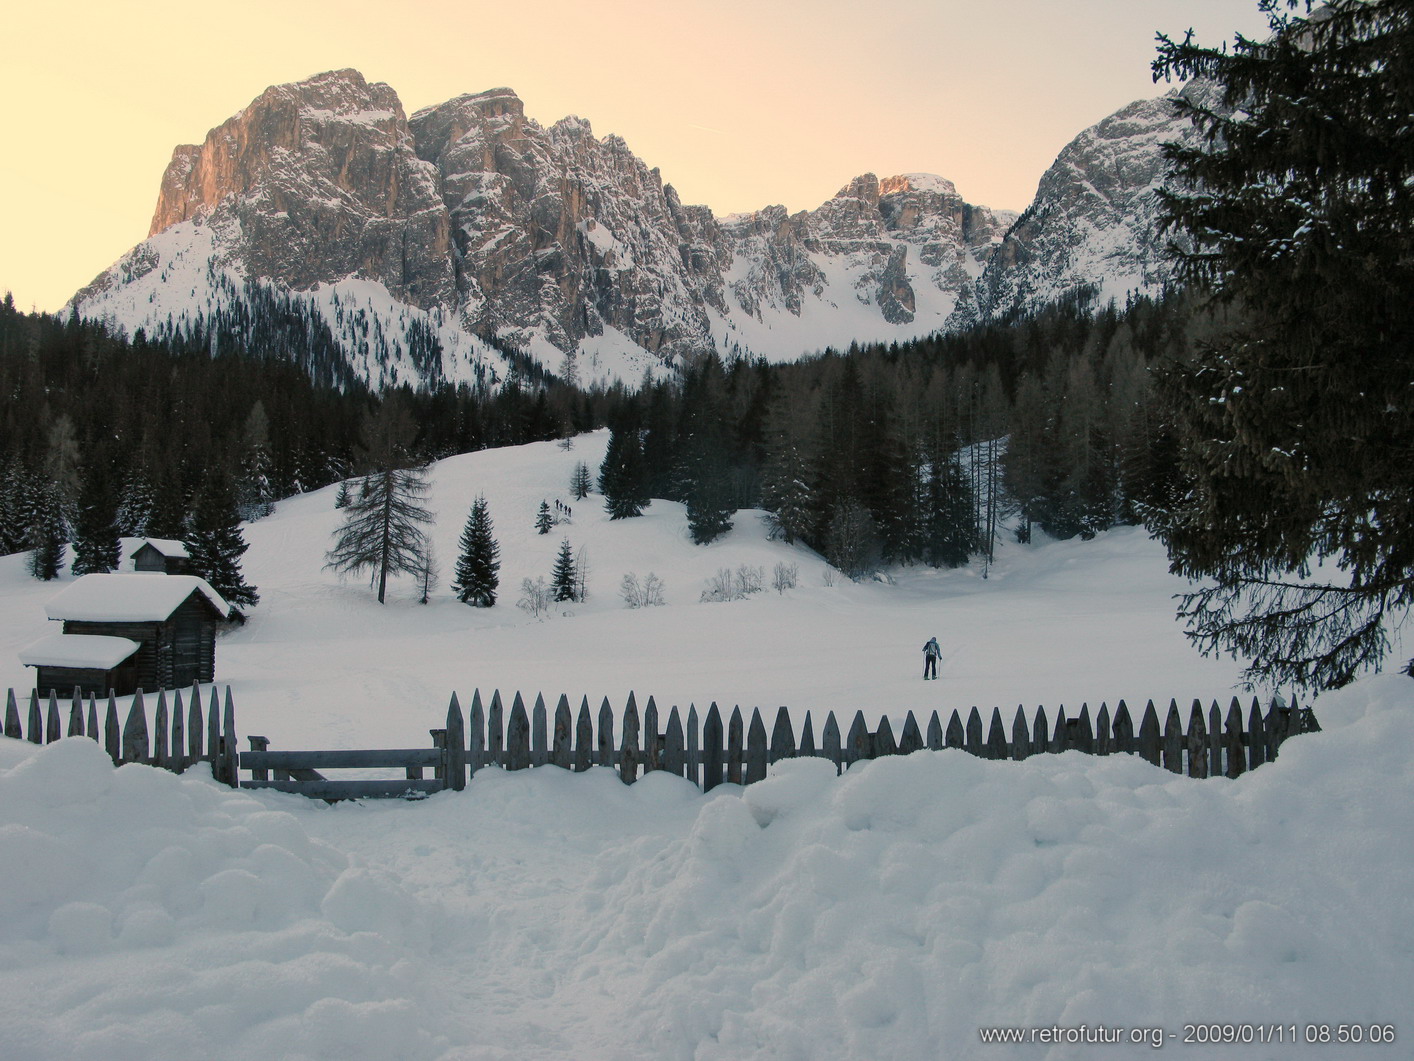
(172, 617)
(93, 663)
(162, 555)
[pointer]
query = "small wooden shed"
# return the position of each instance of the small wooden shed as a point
(162, 555)
(93, 663)
(172, 617)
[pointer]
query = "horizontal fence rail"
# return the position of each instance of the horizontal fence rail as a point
(706, 749)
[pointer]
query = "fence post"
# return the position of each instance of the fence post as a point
(12, 718)
(213, 733)
(52, 718)
(518, 737)
(935, 733)
(911, 740)
(955, 737)
(178, 761)
(1173, 740)
(1149, 735)
(1256, 737)
(1124, 729)
(135, 732)
(230, 772)
(830, 743)
(974, 733)
(259, 744)
(807, 738)
(857, 744)
(1215, 741)
(1197, 742)
(1102, 730)
(628, 746)
(495, 731)
(456, 745)
(93, 733)
(1084, 739)
(673, 750)
(884, 743)
(476, 739)
(539, 743)
(76, 714)
(712, 749)
(35, 732)
(755, 749)
(606, 734)
(1040, 732)
(1060, 736)
(194, 726)
(1232, 740)
(159, 732)
(562, 743)
(112, 741)
(652, 755)
(583, 737)
(735, 739)
(782, 736)
(996, 736)
(1020, 738)
(692, 764)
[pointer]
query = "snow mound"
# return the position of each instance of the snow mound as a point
(892, 912)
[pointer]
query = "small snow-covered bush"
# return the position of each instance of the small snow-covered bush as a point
(645, 594)
(534, 596)
(784, 577)
(727, 585)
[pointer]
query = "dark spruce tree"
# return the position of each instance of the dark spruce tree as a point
(949, 529)
(580, 482)
(1296, 424)
(621, 478)
(543, 520)
(564, 579)
(97, 549)
(478, 562)
(46, 533)
(703, 476)
(215, 545)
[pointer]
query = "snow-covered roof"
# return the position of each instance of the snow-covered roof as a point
(135, 597)
(78, 650)
(167, 547)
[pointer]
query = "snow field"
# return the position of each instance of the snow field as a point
(890, 913)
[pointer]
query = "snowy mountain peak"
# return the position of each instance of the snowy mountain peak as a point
(472, 220)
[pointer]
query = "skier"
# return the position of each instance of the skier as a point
(931, 652)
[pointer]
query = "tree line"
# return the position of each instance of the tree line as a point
(103, 437)
(920, 452)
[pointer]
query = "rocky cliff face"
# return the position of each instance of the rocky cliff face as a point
(417, 236)
(1094, 221)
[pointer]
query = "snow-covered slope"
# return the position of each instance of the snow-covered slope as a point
(892, 913)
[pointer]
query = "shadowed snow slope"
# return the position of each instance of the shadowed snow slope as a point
(891, 913)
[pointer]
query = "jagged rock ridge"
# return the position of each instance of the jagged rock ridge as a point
(413, 240)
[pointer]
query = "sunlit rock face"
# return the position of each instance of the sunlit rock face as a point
(413, 239)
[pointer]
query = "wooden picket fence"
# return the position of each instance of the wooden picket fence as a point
(706, 750)
(179, 738)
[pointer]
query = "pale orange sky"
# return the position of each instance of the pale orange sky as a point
(740, 103)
